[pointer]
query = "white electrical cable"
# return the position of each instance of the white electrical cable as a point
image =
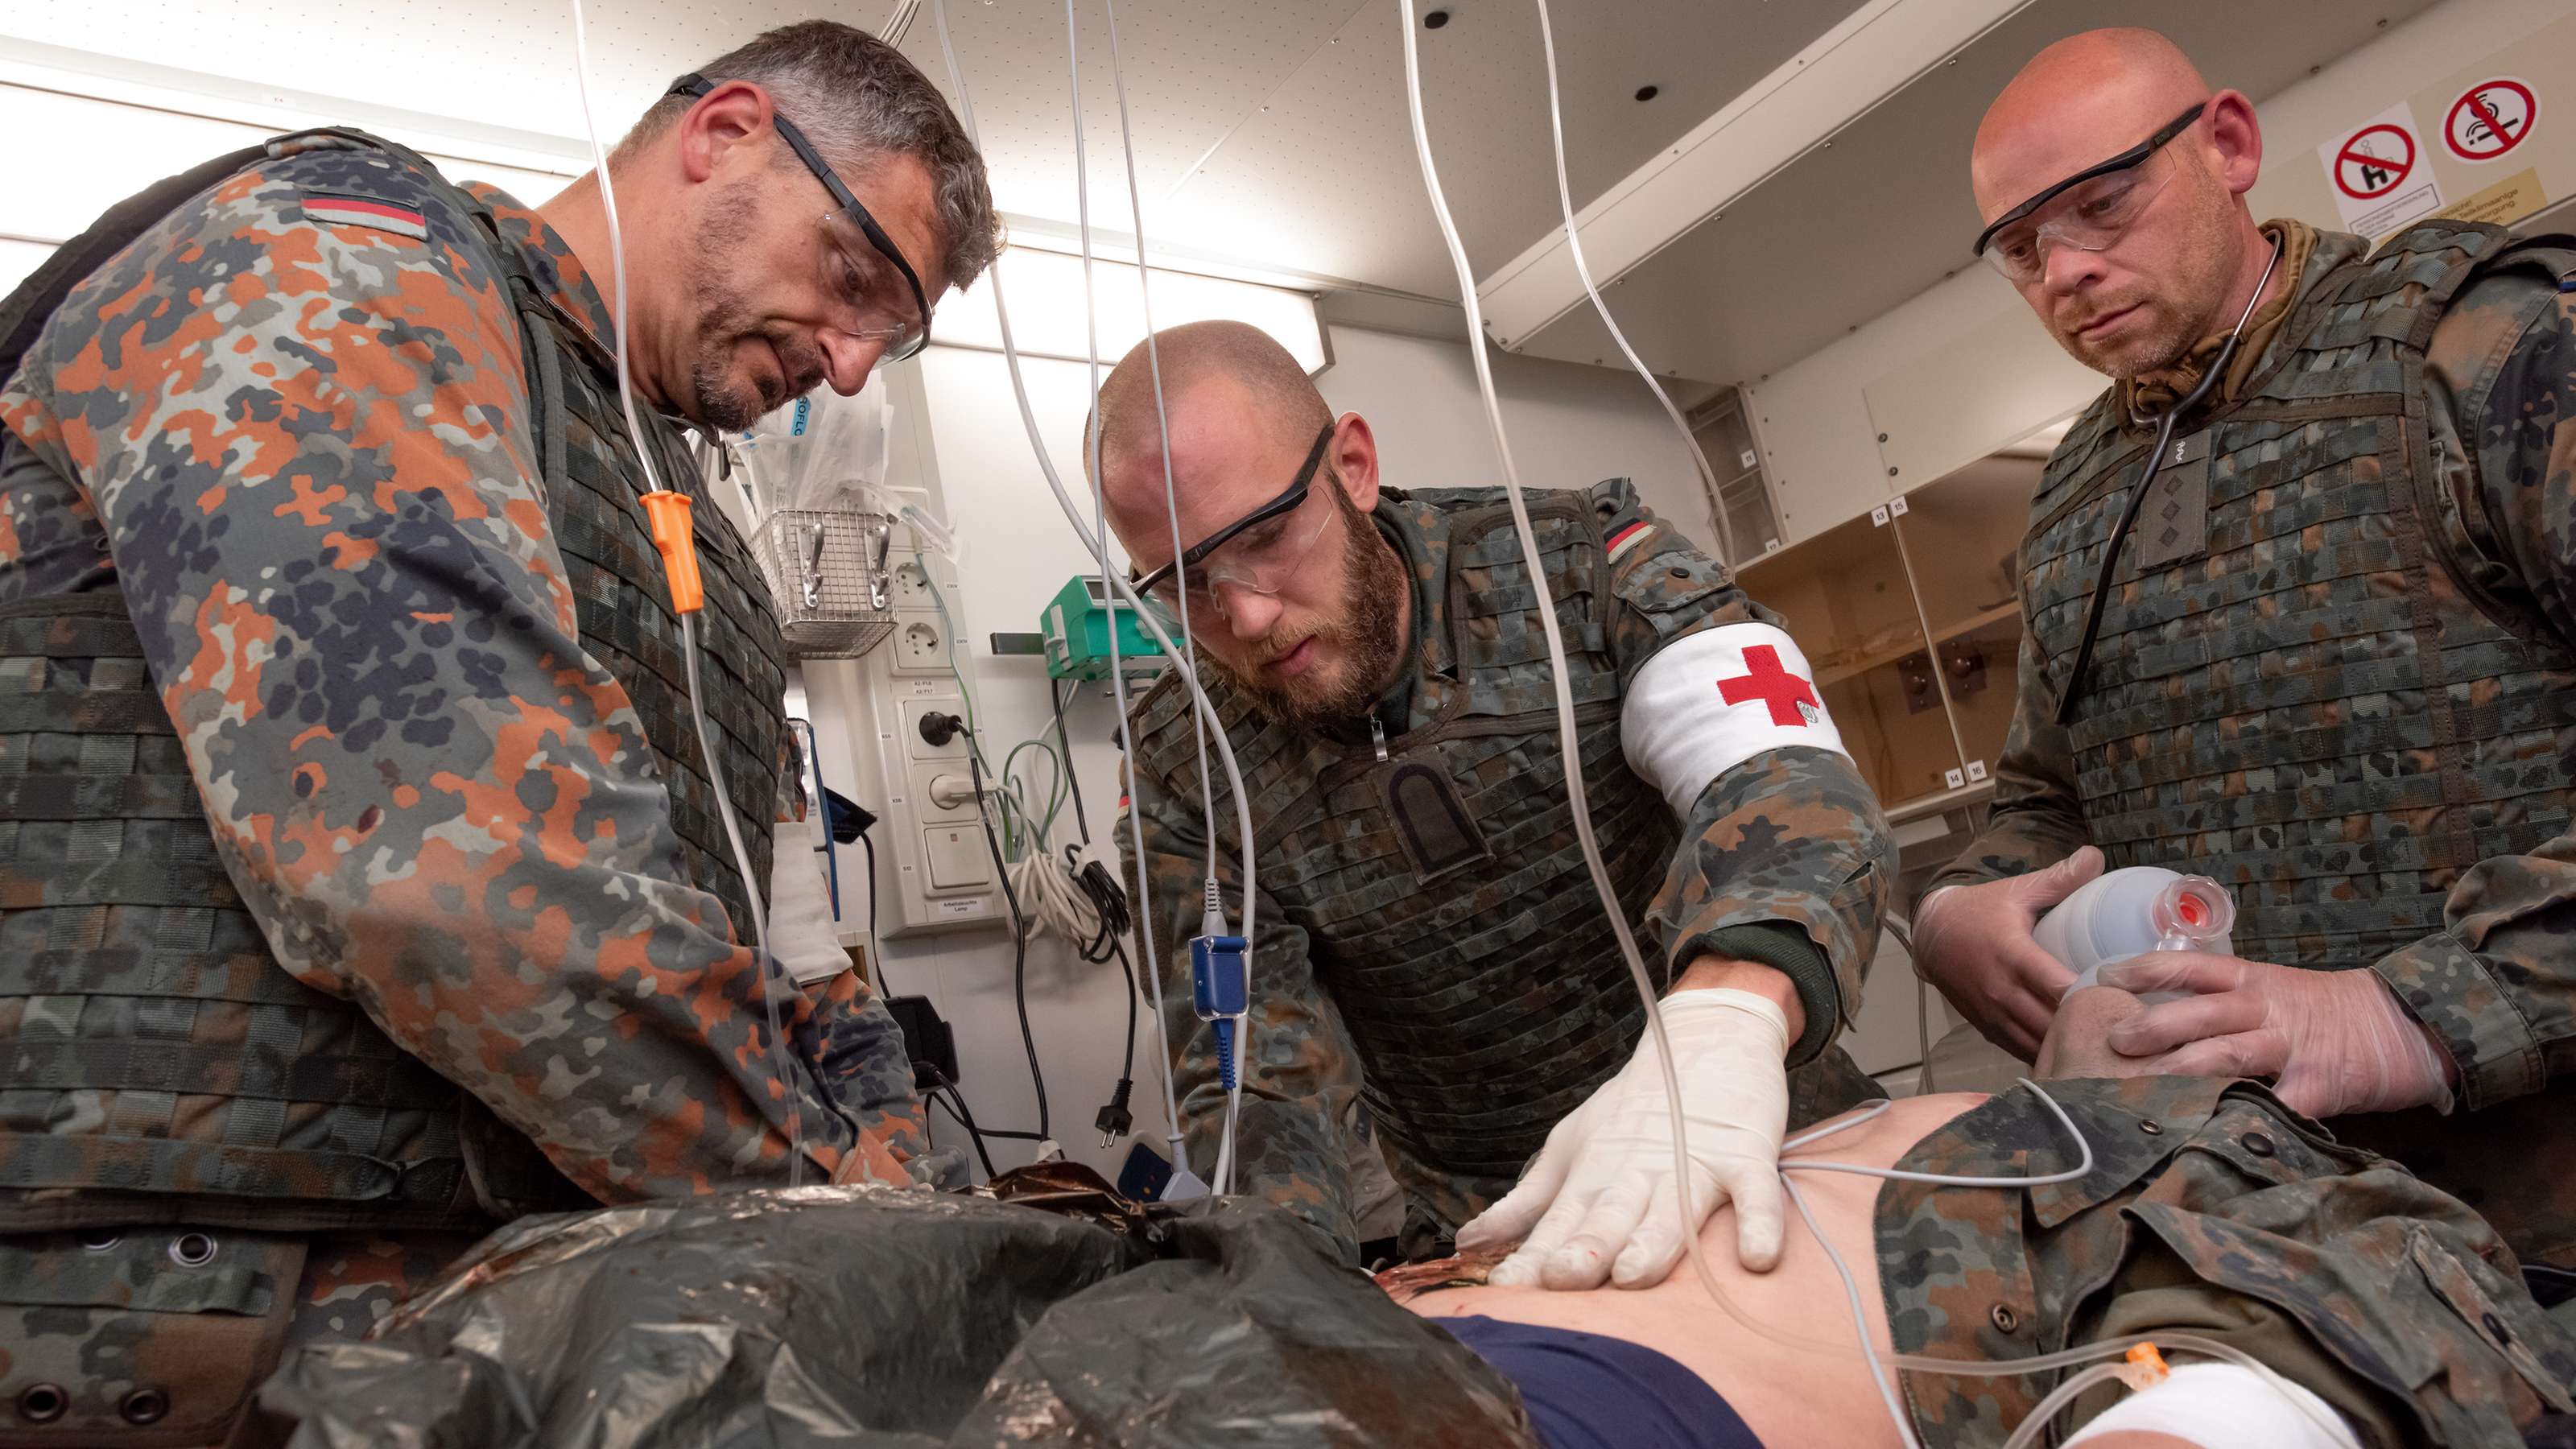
(762, 965)
(1574, 248)
(1098, 549)
(1172, 511)
(1575, 795)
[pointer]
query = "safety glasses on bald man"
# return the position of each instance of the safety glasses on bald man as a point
(2088, 210)
(1260, 551)
(856, 253)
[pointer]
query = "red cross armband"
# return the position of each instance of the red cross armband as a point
(1709, 701)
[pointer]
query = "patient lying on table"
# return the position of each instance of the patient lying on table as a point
(2211, 1210)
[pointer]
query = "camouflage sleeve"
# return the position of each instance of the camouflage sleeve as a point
(1301, 1074)
(2035, 820)
(1785, 858)
(2497, 986)
(307, 445)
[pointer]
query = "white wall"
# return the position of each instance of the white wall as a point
(1569, 425)
(1964, 369)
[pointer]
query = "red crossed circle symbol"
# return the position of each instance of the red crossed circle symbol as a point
(2373, 167)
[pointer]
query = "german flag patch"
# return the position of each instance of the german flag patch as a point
(368, 212)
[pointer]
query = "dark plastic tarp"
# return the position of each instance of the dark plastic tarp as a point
(881, 1318)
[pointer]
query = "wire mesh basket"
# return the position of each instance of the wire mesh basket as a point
(827, 571)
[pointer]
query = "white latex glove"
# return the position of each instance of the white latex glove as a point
(2333, 1041)
(1600, 1201)
(1973, 943)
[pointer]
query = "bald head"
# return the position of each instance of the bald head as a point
(2079, 102)
(1226, 365)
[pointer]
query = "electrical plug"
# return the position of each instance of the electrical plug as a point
(1115, 1121)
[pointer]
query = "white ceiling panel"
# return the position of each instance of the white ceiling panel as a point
(1854, 229)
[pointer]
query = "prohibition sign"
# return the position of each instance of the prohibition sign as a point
(2490, 119)
(2362, 174)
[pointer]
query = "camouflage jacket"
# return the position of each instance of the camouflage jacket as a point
(2211, 1210)
(1784, 859)
(292, 430)
(2493, 977)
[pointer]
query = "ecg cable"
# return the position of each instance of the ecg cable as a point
(667, 513)
(1097, 547)
(1685, 1195)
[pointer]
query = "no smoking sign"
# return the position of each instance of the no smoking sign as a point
(2490, 119)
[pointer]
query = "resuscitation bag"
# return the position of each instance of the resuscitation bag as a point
(878, 1317)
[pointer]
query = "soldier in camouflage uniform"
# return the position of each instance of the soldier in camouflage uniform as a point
(2334, 669)
(1433, 977)
(360, 881)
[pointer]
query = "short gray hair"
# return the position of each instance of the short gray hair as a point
(856, 98)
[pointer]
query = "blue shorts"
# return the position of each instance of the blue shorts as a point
(1585, 1391)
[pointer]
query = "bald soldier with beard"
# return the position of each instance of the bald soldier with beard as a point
(1435, 989)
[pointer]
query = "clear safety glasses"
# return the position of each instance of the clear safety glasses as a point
(1260, 551)
(2087, 211)
(863, 270)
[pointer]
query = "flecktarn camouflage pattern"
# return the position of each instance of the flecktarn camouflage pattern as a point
(2355, 703)
(358, 883)
(1432, 958)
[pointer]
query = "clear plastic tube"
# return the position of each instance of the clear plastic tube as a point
(780, 1063)
(1097, 548)
(1172, 509)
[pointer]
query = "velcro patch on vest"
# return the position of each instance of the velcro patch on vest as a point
(2173, 524)
(1439, 835)
(368, 212)
(1625, 539)
(1709, 701)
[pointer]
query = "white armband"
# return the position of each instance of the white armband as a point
(2220, 1405)
(1708, 702)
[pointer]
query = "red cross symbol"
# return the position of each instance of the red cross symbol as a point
(1766, 681)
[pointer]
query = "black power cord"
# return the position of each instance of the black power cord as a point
(1115, 1120)
(939, 728)
(1055, 700)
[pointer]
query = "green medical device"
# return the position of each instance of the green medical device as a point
(1076, 625)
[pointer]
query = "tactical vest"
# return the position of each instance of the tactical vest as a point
(2318, 705)
(156, 1063)
(1448, 908)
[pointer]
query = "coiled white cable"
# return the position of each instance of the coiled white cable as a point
(770, 977)
(1096, 546)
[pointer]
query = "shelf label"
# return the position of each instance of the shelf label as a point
(1878, 516)
(1976, 769)
(1954, 778)
(1896, 508)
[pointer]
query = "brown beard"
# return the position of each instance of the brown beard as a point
(1363, 636)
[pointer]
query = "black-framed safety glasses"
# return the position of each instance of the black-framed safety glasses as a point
(843, 227)
(1252, 575)
(2091, 221)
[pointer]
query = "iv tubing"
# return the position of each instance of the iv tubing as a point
(1583, 269)
(751, 884)
(1172, 508)
(1097, 548)
(1685, 1196)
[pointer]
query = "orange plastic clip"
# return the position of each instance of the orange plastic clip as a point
(668, 513)
(2145, 1356)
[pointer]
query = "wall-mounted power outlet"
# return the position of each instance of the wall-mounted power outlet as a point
(912, 586)
(919, 646)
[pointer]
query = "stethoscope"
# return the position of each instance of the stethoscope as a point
(2138, 497)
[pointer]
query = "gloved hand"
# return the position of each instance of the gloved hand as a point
(2334, 1041)
(1601, 1193)
(1973, 944)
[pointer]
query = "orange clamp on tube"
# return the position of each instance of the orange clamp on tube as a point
(668, 512)
(2145, 1356)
